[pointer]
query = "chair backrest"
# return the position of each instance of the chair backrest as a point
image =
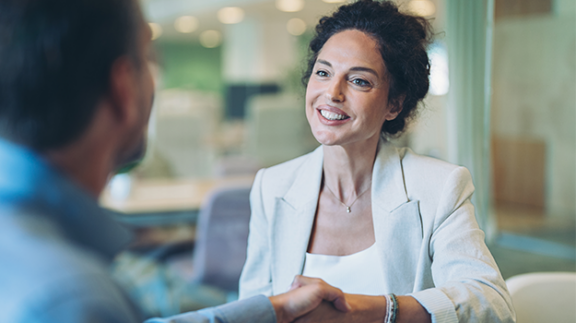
(221, 238)
(544, 297)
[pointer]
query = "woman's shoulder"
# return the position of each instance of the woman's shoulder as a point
(422, 163)
(428, 174)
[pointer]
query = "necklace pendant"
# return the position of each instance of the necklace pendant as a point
(348, 209)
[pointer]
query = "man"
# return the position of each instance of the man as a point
(75, 98)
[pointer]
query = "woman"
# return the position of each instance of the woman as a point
(359, 213)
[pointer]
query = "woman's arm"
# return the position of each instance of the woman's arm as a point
(368, 309)
(256, 278)
(469, 287)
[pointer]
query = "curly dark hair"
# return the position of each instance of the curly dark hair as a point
(403, 40)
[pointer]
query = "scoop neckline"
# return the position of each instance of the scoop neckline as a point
(334, 256)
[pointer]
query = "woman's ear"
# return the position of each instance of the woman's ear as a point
(395, 105)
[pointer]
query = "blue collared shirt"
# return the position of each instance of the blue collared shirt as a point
(55, 246)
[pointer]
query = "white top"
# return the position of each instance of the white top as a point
(358, 273)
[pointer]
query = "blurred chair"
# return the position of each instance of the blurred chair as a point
(221, 239)
(544, 297)
(164, 281)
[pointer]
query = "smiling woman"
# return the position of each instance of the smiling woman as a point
(359, 213)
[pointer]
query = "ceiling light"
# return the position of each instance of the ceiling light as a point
(290, 5)
(156, 30)
(210, 38)
(186, 24)
(230, 15)
(296, 26)
(422, 8)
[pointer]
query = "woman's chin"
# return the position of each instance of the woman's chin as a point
(328, 139)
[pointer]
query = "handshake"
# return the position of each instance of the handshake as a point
(307, 300)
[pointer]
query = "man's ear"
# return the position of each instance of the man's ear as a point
(122, 91)
(396, 107)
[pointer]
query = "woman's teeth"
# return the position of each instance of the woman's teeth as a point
(332, 116)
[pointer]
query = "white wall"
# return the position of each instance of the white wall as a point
(257, 51)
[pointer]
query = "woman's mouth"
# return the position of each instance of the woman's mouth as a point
(333, 116)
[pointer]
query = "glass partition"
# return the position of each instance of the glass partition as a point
(533, 137)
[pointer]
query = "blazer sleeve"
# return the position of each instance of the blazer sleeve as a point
(254, 309)
(469, 286)
(256, 276)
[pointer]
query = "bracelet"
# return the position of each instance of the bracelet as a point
(388, 301)
(392, 318)
(391, 308)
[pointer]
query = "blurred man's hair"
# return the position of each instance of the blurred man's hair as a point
(55, 62)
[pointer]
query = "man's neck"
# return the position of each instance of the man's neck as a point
(86, 165)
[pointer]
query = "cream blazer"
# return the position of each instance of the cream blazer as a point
(426, 233)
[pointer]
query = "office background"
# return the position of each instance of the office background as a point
(229, 101)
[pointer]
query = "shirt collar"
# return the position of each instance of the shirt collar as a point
(29, 182)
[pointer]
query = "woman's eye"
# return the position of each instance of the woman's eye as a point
(321, 73)
(360, 82)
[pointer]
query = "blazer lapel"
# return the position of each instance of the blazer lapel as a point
(293, 222)
(397, 222)
(388, 190)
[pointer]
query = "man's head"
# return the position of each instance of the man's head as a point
(61, 59)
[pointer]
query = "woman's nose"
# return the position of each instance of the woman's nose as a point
(334, 91)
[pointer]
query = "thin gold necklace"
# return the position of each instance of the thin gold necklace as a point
(356, 199)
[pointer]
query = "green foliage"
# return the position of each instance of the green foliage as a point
(189, 65)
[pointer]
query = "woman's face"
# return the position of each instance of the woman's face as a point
(347, 94)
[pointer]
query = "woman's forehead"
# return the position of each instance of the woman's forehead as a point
(352, 48)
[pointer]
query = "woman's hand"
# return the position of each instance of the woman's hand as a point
(305, 297)
(364, 309)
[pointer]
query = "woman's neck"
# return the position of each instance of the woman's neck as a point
(348, 169)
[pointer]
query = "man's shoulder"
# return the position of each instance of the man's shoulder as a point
(46, 276)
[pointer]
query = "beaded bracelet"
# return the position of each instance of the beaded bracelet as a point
(391, 308)
(392, 317)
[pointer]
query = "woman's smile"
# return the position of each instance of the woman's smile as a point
(332, 116)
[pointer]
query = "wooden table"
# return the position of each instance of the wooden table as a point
(164, 211)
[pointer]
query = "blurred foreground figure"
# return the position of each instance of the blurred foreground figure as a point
(75, 98)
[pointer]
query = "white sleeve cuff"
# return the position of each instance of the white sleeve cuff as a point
(437, 304)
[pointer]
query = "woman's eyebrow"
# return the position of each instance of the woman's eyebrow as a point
(364, 69)
(321, 61)
(356, 68)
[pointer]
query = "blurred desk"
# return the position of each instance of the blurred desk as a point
(163, 195)
(158, 202)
